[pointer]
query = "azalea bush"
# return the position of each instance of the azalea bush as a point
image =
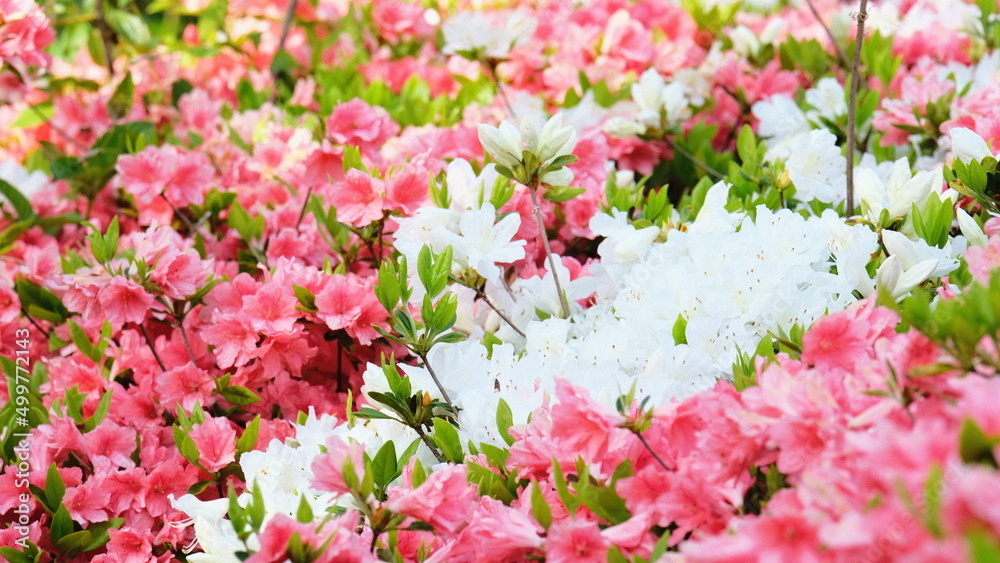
(614, 281)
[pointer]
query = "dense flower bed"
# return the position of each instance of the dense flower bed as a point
(620, 281)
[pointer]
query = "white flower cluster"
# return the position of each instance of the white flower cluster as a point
(471, 34)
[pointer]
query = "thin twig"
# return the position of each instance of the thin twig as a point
(548, 252)
(430, 370)
(286, 26)
(62, 132)
(694, 160)
(482, 295)
(429, 444)
(187, 343)
(651, 451)
(833, 40)
(491, 72)
(852, 105)
(149, 341)
(105, 33)
(32, 321)
(305, 205)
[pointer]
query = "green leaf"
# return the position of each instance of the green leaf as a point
(187, 447)
(239, 395)
(248, 439)
(605, 502)
(120, 104)
(15, 556)
(562, 194)
(178, 89)
(974, 445)
(746, 146)
(17, 200)
(55, 488)
(62, 524)
(680, 330)
(568, 499)
(305, 512)
(130, 26)
(446, 437)
(505, 419)
(34, 115)
(306, 298)
(384, 469)
(76, 543)
(40, 302)
(984, 546)
(100, 413)
(540, 508)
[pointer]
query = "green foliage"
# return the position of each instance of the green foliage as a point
(959, 325)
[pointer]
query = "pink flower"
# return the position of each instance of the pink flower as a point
(579, 424)
(271, 310)
(575, 541)
(87, 503)
(111, 441)
(444, 500)
(768, 538)
(359, 124)
(329, 467)
(234, 340)
(185, 385)
(983, 261)
(124, 301)
(358, 198)
(216, 441)
(496, 533)
(128, 545)
(406, 191)
(339, 303)
(399, 20)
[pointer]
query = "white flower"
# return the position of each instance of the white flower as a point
(465, 188)
(503, 143)
(782, 123)
(971, 229)
(622, 241)
(913, 252)
(967, 145)
(623, 128)
(507, 143)
(482, 243)
(658, 102)
(898, 282)
(898, 194)
(817, 168)
(470, 33)
(28, 183)
(827, 97)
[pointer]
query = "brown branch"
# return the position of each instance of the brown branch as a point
(852, 107)
(836, 47)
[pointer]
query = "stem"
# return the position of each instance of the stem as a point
(105, 33)
(852, 105)
(833, 41)
(305, 204)
(149, 341)
(59, 130)
(694, 160)
(548, 251)
(428, 443)
(187, 343)
(34, 323)
(650, 448)
(286, 26)
(430, 370)
(482, 295)
(492, 74)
